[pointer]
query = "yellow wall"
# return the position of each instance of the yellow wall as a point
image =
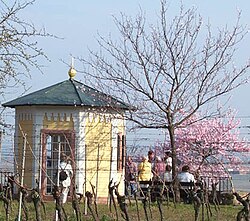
(98, 140)
(25, 127)
(98, 143)
(60, 122)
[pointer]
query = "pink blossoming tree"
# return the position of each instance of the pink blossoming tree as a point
(210, 146)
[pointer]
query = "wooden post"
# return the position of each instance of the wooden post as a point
(86, 200)
(22, 176)
(110, 168)
(97, 171)
(1, 136)
(58, 168)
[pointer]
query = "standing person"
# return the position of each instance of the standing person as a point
(168, 174)
(144, 170)
(151, 159)
(130, 176)
(144, 174)
(65, 175)
(151, 156)
(168, 158)
(159, 168)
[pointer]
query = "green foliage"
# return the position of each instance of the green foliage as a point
(106, 218)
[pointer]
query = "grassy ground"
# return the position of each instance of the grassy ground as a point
(182, 212)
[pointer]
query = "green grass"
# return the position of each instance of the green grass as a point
(182, 212)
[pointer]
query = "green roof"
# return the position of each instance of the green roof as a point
(67, 93)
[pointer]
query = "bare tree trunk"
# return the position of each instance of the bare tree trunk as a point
(6, 202)
(197, 205)
(244, 213)
(159, 203)
(89, 196)
(59, 206)
(144, 202)
(175, 182)
(75, 204)
(111, 193)
(122, 203)
(95, 198)
(137, 207)
(24, 205)
(36, 201)
(214, 197)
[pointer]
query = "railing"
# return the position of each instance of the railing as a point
(4, 176)
(224, 184)
(220, 187)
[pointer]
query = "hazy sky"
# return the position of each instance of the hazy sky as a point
(78, 21)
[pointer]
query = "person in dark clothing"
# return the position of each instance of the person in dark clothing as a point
(130, 177)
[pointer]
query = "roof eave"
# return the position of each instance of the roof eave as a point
(68, 105)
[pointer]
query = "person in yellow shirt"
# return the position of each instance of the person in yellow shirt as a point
(145, 170)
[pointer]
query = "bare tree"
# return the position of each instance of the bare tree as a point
(169, 70)
(19, 48)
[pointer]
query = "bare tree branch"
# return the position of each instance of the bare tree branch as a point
(19, 49)
(169, 70)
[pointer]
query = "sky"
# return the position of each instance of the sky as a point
(77, 23)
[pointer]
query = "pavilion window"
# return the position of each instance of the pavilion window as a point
(55, 143)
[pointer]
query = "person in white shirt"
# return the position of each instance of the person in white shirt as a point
(65, 181)
(185, 175)
(168, 158)
(168, 174)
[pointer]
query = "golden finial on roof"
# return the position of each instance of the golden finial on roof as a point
(72, 71)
